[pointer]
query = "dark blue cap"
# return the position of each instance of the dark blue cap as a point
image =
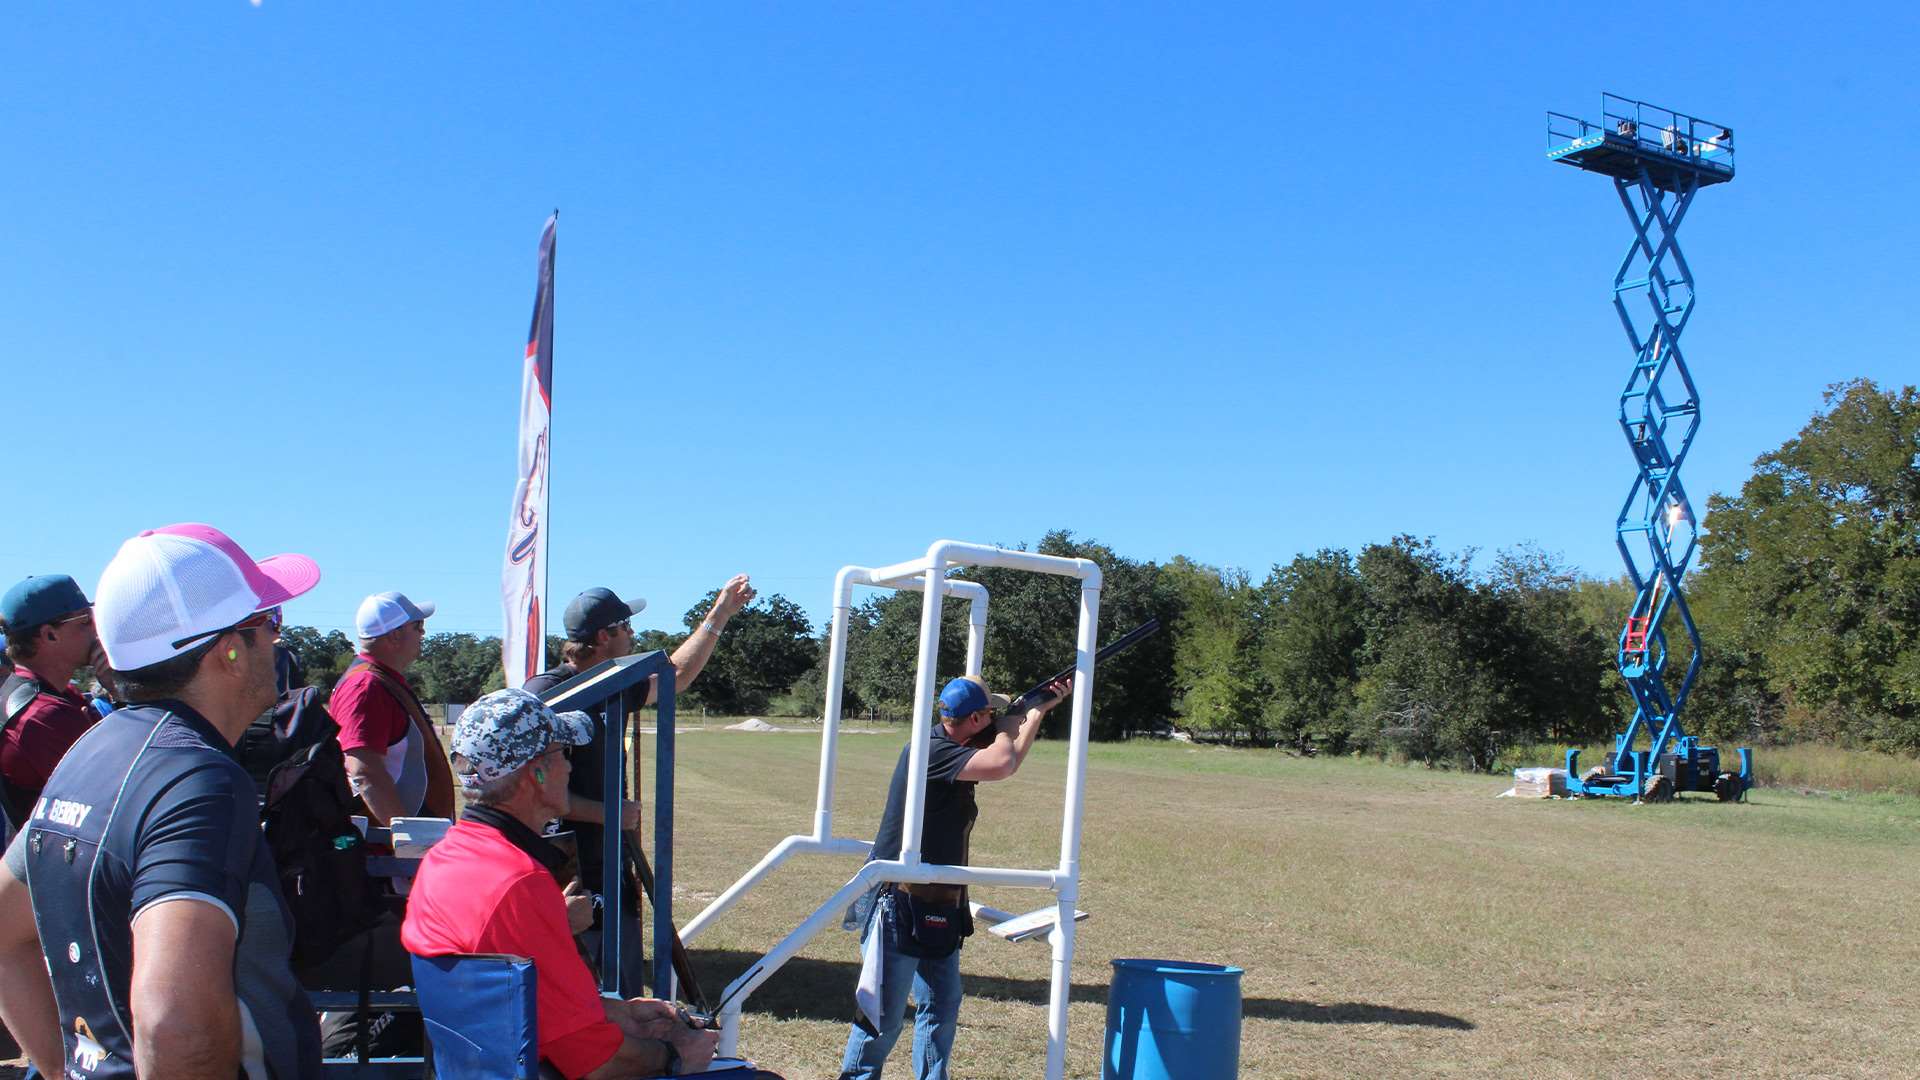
(40, 600)
(595, 610)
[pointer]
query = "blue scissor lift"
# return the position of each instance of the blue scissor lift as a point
(1659, 160)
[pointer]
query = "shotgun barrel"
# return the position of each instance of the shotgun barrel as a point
(1120, 644)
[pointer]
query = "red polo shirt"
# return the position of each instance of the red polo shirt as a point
(39, 737)
(369, 715)
(478, 893)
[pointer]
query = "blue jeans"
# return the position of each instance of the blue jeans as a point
(936, 997)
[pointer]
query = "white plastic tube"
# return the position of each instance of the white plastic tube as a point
(913, 812)
(1063, 880)
(1062, 937)
(843, 585)
(822, 841)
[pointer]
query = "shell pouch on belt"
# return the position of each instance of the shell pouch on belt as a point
(925, 928)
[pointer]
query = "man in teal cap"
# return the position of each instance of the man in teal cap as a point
(49, 628)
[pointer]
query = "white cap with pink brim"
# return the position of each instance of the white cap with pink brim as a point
(168, 588)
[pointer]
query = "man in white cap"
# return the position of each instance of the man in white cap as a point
(141, 869)
(489, 887)
(394, 758)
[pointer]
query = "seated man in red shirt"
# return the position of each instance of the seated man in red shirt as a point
(489, 887)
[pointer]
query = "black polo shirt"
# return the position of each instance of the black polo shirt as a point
(150, 807)
(589, 782)
(951, 809)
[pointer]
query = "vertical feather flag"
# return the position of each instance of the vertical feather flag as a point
(523, 575)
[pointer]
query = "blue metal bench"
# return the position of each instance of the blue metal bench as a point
(342, 1068)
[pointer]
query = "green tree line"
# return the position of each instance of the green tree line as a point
(1807, 598)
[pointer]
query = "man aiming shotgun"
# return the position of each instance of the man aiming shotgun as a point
(912, 933)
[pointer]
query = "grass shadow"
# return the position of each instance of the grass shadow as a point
(812, 989)
(1350, 1012)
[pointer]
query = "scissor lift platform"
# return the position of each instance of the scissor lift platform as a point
(1676, 150)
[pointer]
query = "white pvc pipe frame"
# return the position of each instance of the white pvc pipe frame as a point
(1063, 880)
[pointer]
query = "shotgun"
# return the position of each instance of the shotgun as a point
(1119, 645)
(682, 963)
(1039, 693)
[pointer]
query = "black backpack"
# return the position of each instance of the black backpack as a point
(320, 856)
(296, 722)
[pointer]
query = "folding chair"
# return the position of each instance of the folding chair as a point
(480, 1016)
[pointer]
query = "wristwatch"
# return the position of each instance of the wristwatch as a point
(673, 1058)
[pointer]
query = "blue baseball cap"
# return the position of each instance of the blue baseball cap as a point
(40, 600)
(967, 695)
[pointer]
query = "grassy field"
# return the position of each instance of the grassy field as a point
(1391, 921)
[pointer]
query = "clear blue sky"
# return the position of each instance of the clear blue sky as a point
(836, 280)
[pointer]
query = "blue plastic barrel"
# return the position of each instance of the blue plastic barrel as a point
(1172, 1020)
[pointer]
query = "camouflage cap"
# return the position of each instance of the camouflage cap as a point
(508, 728)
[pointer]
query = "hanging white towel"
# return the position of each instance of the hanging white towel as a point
(866, 995)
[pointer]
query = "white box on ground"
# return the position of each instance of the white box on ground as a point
(1539, 783)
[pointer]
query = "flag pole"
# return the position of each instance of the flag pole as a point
(524, 574)
(546, 572)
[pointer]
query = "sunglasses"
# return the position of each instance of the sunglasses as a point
(269, 620)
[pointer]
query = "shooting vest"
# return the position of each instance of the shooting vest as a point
(16, 693)
(424, 746)
(84, 844)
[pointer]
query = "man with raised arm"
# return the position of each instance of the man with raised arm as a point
(599, 627)
(489, 887)
(142, 868)
(911, 934)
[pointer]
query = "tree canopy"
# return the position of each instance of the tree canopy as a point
(1808, 600)
(1812, 573)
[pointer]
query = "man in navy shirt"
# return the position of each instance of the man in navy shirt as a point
(913, 933)
(142, 929)
(599, 628)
